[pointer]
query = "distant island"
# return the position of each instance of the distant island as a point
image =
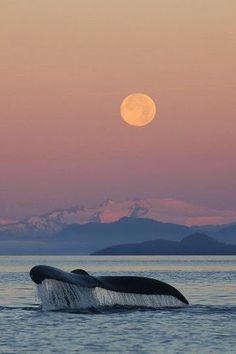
(194, 244)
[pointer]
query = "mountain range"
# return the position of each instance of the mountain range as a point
(166, 210)
(82, 230)
(87, 238)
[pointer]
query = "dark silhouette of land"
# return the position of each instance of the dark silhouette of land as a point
(195, 244)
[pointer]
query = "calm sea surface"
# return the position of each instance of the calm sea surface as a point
(208, 325)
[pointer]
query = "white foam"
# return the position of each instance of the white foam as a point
(55, 295)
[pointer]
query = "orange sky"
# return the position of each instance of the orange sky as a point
(65, 66)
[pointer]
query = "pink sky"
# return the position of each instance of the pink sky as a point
(66, 65)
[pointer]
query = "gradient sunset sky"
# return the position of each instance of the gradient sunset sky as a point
(65, 67)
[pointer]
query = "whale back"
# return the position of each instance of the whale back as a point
(80, 272)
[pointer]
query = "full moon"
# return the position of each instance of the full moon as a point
(138, 109)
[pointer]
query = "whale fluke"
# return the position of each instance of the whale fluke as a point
(104, 290)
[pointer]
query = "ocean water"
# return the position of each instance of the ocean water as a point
(207, 325)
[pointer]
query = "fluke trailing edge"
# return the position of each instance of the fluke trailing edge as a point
(77, 289)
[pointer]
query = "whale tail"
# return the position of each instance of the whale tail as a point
(78, 289)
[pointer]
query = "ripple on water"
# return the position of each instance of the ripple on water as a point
(206, 326)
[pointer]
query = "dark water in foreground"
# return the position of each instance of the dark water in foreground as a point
(208, 325)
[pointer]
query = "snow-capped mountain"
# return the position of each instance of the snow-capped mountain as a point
(165, 210)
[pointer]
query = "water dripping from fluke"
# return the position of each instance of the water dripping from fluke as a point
(78, 291)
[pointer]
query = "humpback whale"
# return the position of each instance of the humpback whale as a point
(58, 289)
